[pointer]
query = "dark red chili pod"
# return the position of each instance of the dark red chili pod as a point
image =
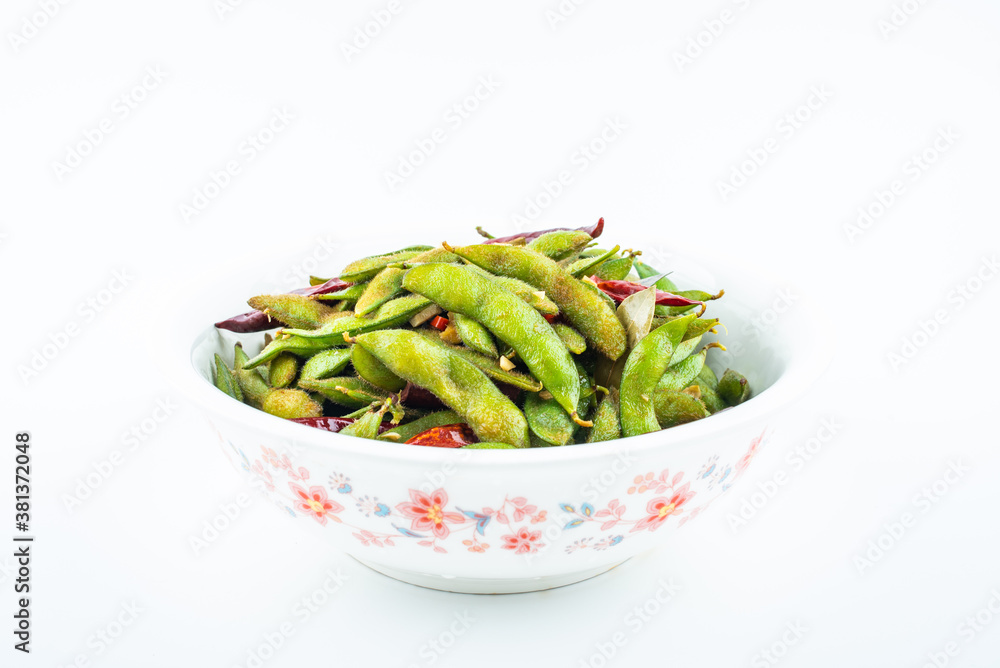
(333, 424)
(620, 290)
(446, 436)
(256, 321)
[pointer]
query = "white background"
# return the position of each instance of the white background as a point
(686, 127)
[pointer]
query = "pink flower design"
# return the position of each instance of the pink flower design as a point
(271, 457)
(661, 508)
(428, 513)
(745, 460)
(316, 503)
(523, 541)
(265, 476)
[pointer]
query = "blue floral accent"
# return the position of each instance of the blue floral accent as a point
(344, 489)
(407, 532)
(568, 508)
(382, 510)
(290, 511)
(587, 509)
(481, 520)
(616, 540)
(573, 524)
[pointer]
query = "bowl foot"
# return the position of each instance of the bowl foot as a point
(486, 585)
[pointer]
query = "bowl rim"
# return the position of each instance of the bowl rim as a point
(810, 356)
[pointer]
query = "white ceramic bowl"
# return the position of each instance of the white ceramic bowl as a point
(508, 521)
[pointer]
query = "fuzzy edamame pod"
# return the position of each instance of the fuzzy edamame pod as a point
(405, 432)
(295, 310)
(366, 268)
(391, 314)
(535, 297)
(713, 402)
(548, 421)
(487, 365)
(368, 424)
(457, 383)
(225, 380)
(572, 339)
(733, 388)
(386, 285)
(290, 404)
(560, 244)
(325, 364)
(585, 309)
(347, 391)
(251, 383)
(282, 370)
(616, 269)
(296, 345)
(509, 318)
(489, 446)
(674, 408)
(371, 369)
(586, 265)
(643, 369)
(474, 335)
(607, 425)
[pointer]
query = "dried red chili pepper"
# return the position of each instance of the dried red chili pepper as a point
(439, 323)
(594, 231)
(619, 290)
(257, 321)
(446, 436)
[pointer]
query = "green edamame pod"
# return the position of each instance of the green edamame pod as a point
(457, 383)
(348, 391)
(367, 425)
(348, 294)
(282, 370)
(695, 295)
(371, 369)
(326, 363)
(584, 308)
(366, 268)
(645, 271)
(607, 426)
(488, 446)
(708, 378)
(680, 375)
(586, 265)
(674, 408)
(560, 244)
(225, 380)
(290, 404)
(509, 318)
(643, 369)
(713, 402)
(616, 269)
(733, 388)
(474, 335)
(405, 432)
(251, 383)
(394, 312)
(386, 285)
(572, 339)
(295, 310)
(535, 297)
(296, 345)
(487, 365)
(439, 254)
(548, 420)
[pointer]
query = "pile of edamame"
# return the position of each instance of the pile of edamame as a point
(535, 340)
